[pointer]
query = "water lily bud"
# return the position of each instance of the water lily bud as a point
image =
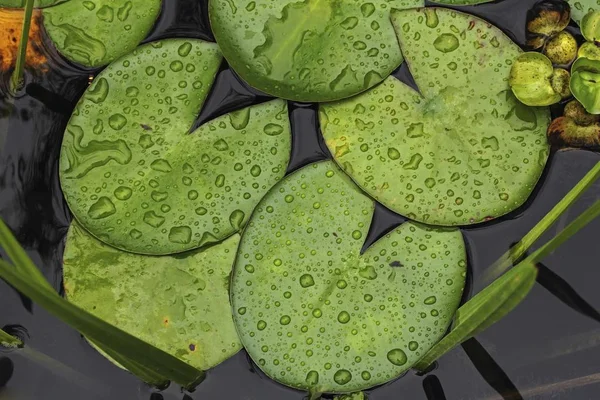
(533, 80)
(545, 20)
(561, 49)
(590, 26)
(589, 50)
(585, 83)
(577, 113)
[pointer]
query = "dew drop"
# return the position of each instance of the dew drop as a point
(180, 234)
(397, 357)
(102, 208)
(306, 280)
(342, 376)
(123, 193)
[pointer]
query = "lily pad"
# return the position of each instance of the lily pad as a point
(316, 314)
(308, 50)
(462, 151)
(96, 32)
(37, 4)
(135, 178)
(179, 304)
(585, 75)
(579, 8)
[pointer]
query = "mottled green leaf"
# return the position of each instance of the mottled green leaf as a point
(179, 304)
(151, 364)
(531, 80)
(309, 50)
(462, 151)
(585, 83)
(37, 4)
(581, 7)
(316, 314)
(136, 179)
(96, 32)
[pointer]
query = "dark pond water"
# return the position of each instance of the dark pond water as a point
(543, 350)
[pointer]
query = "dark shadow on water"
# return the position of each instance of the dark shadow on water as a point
(490, 371)
(6, 371)
(561, 289)
(433, 388)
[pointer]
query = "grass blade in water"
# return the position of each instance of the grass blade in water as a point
(7, 340)
(17, 77)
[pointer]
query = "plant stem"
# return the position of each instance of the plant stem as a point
(508, 258)
(16, 80)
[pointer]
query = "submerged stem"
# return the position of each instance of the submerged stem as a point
(16, 80)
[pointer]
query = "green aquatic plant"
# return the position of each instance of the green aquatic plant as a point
(441, 156)
(308, 51)
(589, 50)
(147, 362)
(135, 178)
(579, 8)
(7, 340)
(577, 128)
(590, 26)
(317, 313)
(94, 33)
(179, 304)
(585, 83)
(545, 20)
(561, 49)
(535, 81)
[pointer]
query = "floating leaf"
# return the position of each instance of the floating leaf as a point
(585, 83)
(589, 50)
(308, 51)
(561, 49)
(579, 8)
(96, 32)
(533, 80)
(136, 179)
(485, 309)
(179, 304)
(566, 132)
(590, 26)
(545, 19)
(314, 312)
(149, 363)
(37, 3)
(463, 152)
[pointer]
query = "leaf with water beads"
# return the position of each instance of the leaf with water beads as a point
(135, 178)
(316, 314)
(310, 50)
(96, 32)
(462, 151)
(579, 8)
(179, 304)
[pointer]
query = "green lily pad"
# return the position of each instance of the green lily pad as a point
(533, 80)
(179, 304)
(461, 152)
(37, 4)
(581, 7)
(316, 314)
(135, 178)
(308, 51)
(585, 86)
(94, 33)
